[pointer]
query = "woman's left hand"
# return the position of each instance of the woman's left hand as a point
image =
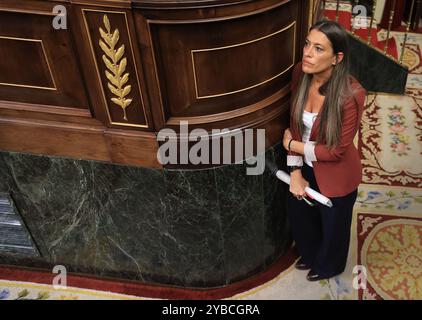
(286, 138)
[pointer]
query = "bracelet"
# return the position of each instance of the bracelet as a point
(289, 144)
(293, 168)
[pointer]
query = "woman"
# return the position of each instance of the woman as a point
(326, 110)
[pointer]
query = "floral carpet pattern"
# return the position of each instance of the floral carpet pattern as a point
(389, 241)
(388, 210)
(17, 290)
(392, 252)
(412, 59)
(390, 140)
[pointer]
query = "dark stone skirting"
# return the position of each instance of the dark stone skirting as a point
(196, 228)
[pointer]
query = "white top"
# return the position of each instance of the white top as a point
(308, 121)
(309, 148)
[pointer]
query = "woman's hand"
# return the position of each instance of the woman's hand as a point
(298, 184)
(286, 138)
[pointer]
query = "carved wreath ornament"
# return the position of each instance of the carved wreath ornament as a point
(116, 66)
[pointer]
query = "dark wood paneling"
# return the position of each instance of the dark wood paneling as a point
(38, 45)
(104, 3)
(217, 64)
(211, 70)
(133, 148)
(220, 71)
(166, 4)
(18, 70)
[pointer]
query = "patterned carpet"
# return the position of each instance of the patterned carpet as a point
(19, 290)
(387, 222)
(389, 208)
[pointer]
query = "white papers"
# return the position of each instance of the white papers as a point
(311, 192)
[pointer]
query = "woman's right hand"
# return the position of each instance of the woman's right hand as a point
(298, 184)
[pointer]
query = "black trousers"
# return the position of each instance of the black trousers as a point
(322, 234)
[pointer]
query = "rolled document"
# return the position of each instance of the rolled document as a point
(311, 192)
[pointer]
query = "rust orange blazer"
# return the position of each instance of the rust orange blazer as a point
(338, 170)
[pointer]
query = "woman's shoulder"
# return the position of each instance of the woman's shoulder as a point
(358, 92)
(355, 84)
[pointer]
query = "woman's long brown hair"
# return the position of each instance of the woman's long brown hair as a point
(335, 90)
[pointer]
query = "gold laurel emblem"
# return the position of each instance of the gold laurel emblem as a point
(114, 74)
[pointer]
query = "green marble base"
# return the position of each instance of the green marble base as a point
(196, 228)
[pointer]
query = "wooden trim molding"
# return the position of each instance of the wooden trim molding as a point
(235, 113)
(90, 142)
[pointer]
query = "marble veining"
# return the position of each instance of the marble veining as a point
(200, 228)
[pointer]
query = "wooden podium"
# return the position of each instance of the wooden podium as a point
(122, 70)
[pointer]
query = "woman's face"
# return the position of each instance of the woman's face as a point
(318, 54)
